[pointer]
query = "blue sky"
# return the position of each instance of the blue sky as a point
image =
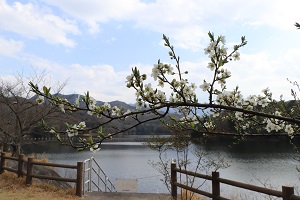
(94, 43)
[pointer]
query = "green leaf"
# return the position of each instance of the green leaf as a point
(192, 124)
(100, 129)
(45, 90)
(220, 63)
(100, 133)
(90, 140)
(171, 117)
(211, 36)
(212, 60)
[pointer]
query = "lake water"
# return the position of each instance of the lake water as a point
(269, 164)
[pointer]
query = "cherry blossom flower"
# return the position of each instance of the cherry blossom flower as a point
(205, 86)
(236, 56)
(40, 99)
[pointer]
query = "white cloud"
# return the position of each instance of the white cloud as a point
(101, 80)
(94, 12)
(255, 72)
(252, 73)
(186, 22)
(10, 47)
(34, 21)
(277, 14)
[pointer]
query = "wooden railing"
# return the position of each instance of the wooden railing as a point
(29, 172)
(287, 192)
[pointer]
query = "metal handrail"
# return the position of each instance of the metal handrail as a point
(90, 170)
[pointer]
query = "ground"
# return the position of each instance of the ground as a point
(14, 188)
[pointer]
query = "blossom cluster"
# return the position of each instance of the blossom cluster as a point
(230, 98)
(254, 100)
(182, 91)
(216, 47)
(209, 125)
(72, 130)
(276, 125)
(161, 68)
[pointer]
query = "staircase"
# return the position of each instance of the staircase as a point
(94, 179)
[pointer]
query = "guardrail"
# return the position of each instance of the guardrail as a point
(92, 167)
(287, 192)
(29, 172)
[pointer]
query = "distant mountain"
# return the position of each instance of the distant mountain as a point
(152, 127)
(72, 98)
(122, 104)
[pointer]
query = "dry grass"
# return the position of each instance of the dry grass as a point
(188, 195)
(38, 157)
(14, 188)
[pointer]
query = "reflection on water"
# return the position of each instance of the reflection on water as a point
(255, 163)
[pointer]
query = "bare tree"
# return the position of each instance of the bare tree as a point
(20, 113)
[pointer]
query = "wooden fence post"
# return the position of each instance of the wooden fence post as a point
(20, 165)
(79, 182)
(215, 185)
(287, 192)
(173, 180)
(29, 171)
(2, 163)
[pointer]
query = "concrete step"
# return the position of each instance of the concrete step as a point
(126, 196)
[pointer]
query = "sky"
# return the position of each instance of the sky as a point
(93, 44)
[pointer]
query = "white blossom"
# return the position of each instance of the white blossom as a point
(208, 125)
(277, 113)
(138, 105)
(70, 133)
(239, 115)
(127, 112)
(205, 86)
(161, 95)
(95, 148)
(160, 83)
(236, 56)
(62, 108)
(252, 99)
(222, 39)
(148, 87)
(272, 126)
(92, 102)
(40, 99)
(115, 111)
(81, 125)
(266, 90)
(155, 71)
(106, 106)
(129, 78)
(215, 113)
(289, 130)
(52, 131)
(211, 66)
(263, 102)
